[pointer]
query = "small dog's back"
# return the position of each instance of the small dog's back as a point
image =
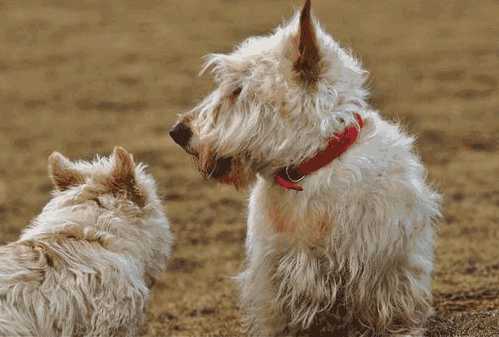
(85, 265)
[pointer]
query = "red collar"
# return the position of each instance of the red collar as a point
(288, 177)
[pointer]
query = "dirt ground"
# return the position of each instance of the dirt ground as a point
(83, 76)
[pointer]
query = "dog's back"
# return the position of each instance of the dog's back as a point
(57, 286)
(21, 270)
(83, 267)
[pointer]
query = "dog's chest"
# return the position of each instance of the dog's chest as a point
(290, 217)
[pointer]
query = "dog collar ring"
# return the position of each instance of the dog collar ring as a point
(293, 180)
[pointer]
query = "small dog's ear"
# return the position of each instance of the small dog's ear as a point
(123, 167)
(63, 173)
(307, 64)
(123, 176)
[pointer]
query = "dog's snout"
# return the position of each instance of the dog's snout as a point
(181, 134)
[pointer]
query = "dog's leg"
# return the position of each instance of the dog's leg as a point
(414, 286)
(263, 317)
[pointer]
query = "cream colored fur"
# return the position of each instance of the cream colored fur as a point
(85, 265)
(352, 254)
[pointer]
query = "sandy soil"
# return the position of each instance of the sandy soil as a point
(82, 76)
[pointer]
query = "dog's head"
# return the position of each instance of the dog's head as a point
(115, 181)
(279, 98)
(113, 195)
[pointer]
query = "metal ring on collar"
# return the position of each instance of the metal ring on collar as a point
(291, 179)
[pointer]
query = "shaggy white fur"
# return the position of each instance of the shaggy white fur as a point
(85, 265)
(352, 254)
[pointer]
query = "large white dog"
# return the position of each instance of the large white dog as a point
(85, 265)
(341, 221)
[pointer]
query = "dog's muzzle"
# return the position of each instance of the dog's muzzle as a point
(181, 134)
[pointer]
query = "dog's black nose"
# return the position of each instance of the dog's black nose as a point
(181, 134)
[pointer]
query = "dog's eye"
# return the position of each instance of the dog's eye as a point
(237, 92)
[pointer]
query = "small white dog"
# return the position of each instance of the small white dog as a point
(340, 225)
(85, 265)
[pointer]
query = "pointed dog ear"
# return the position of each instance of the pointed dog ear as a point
(123, 176)
(307, 64)
(123, 172)
(63, 173)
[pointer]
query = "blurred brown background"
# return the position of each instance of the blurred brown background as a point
(82, 76)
